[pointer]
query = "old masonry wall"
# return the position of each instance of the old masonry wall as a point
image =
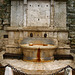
(5, 21)
(71, 23)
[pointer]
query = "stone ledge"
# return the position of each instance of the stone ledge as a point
(17, 46)
(12, 46)
(34, 28)
(64, 47)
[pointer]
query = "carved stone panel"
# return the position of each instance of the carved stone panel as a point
(38, 13)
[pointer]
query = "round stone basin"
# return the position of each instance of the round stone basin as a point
(38, 52)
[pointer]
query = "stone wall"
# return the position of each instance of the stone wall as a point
(5, 21)
(4, 12)
(71, 23)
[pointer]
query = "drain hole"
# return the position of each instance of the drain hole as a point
(45, 35)
(30, 5)
(46, 5)
(38, 19)
(31, 34)
(38, 5)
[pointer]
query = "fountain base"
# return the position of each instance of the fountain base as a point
(38, 53)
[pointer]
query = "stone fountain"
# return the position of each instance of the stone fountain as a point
(38, 19)
(38, 31)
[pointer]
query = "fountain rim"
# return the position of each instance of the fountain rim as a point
(26, 46)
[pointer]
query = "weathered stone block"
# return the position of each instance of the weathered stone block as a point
(63, 51)
(6, 42)
(1, 43)
(11, 41)
(71, 10)
(43, 34)
(2, 33)
(50, 34)
(0, 27)
(16, 35)
(8, 9)
(71, 15)
(6, 15)
(60, 14)
(0, 21)
(62, 35)
(63, 43)
(39, 17)
(25, 34)
(55, 34)
(72, 36)
(1, 1)
(72, 33)
(72, 28)
(6, 21)
(69, 21)
(72, 50)
(11, 35)
(13, 49)
(1, 55)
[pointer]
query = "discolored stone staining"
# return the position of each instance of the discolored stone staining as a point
(38, 55)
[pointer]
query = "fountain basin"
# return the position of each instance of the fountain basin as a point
(35, 50)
